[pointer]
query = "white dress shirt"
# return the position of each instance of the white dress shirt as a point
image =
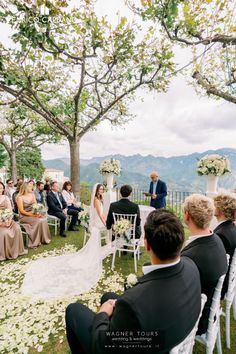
(150, 268)
(57, 196)
(195, 237)
(154, 186)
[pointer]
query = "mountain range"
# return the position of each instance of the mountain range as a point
(179, 172)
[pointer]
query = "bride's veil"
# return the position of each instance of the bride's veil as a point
(92, 209)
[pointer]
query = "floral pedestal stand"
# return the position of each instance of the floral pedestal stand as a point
(109, 179)
(211, 192)
(109, 196)
(211, 189)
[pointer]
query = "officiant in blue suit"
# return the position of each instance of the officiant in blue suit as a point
(157, 191)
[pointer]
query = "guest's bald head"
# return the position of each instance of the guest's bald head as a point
(154, 176)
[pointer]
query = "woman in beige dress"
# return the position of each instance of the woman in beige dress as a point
(11, 241)
(35, 225)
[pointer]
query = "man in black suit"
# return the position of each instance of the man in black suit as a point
(225, 212)
(204, 248)
(57, 207)
(157, 191)
(164, 304)
(124, 206)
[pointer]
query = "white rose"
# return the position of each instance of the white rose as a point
(132, 279)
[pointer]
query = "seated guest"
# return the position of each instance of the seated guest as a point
(14, 195)
(11, 241)
(47, 185)
(19, 182)
(166, 300)
(38, 192)
(124, 206)
(225, 212)
(35, 225)
(69, 197)
(10, 189)
(204, 248)
(57, 207)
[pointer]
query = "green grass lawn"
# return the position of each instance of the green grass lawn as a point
(125, 266)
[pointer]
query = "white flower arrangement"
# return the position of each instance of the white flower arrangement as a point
(216, 165)
(122, 229)
(110, 166)
(38, 208)
(5, 214)
(83, 216)
(131, 280)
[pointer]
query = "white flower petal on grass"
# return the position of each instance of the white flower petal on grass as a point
(27, 323)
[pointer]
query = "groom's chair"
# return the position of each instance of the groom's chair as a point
(128, 244)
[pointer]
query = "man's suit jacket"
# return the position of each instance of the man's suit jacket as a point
(227, 233)
(53, 203)
(166, 300)
(161, 192)
(209, 255)
(39, 196)
(124, 206)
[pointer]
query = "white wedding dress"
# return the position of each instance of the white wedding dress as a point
(70, 274)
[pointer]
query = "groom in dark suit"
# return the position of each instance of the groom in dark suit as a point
(124, 206)
(157, 191)
(57, 207)
(164, 304)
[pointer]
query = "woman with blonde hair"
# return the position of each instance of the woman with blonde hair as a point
(11, 241)
(35, 225)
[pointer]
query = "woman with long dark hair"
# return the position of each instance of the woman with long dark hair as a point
(97, 217)
(69, 197)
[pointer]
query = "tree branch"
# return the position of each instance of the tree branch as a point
(217, 38)
(43, 112)
(212, 90)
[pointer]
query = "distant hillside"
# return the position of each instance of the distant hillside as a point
(179, 172)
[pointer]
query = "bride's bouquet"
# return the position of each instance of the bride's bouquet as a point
(122, 229)
(5, 215)
(110, 166)
(83, 216)
(38, 208)
(216, 165)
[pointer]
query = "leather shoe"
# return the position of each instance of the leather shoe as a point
(63, 234)
(71, 228)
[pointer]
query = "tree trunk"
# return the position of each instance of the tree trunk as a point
(13, 166)
(75, 165)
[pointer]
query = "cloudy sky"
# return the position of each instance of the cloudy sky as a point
(166, 124)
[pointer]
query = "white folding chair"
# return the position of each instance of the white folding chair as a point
(229, 297)
(122, 245)
(54, 222)
(68, 221)
(212, 334)
(24, 233)
(186, 346)
(234, 306)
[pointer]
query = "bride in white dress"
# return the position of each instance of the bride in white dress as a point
(75, 273)
(97, 218)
